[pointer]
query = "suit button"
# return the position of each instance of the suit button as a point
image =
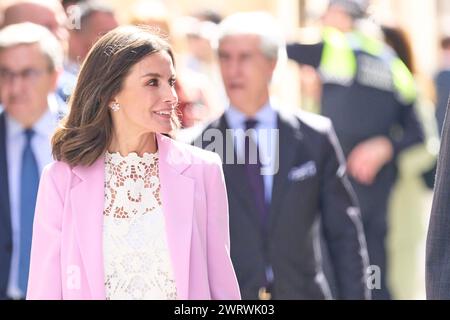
(264, 294)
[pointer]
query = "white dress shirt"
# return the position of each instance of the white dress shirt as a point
(15, 142)
(266, 119)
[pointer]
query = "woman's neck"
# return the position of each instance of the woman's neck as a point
(125, 144)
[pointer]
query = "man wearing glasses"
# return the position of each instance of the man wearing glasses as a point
(30, 61)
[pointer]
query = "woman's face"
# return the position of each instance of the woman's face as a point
(148, 99)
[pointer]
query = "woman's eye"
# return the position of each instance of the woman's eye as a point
(153, 82)
(172, 82)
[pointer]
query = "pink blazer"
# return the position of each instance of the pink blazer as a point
(67, 248)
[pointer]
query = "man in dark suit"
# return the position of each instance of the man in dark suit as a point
(438, 240)
(285, 177)
(30, 60)
(442, 82)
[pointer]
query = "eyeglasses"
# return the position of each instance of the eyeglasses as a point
(28, 75)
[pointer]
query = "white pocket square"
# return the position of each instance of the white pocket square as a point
(303, 171)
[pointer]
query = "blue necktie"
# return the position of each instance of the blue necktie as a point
(254, 176)
(29, 183)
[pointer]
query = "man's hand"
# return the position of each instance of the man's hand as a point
(368, 157)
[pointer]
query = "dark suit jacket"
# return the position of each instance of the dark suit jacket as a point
(442, 83)
(5, 216)
(438, 239)
(296, 209)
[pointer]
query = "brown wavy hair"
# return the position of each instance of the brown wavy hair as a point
(86, 132)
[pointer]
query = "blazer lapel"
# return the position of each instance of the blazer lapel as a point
(88, 204)
(87, 199)
(177, 195)
(290, 138)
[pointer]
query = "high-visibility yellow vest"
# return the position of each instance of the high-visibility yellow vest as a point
(339, 63)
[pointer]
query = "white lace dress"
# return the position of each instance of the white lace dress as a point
(136, 255)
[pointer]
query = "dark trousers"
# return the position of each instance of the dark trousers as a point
(373, 201)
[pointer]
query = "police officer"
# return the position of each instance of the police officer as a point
(369, 94)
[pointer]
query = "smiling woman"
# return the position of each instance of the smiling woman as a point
(146, 104)
(132, 73)
(108, 223)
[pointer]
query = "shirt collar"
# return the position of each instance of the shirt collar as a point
(44, 127)
(266, 116)
(13, 128)
(72, 67)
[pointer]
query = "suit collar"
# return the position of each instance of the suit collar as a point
(266, 117)
(178, 207)
(44, 126)
(173, 153)
(87, 200)
(290, 149)
(88, 204)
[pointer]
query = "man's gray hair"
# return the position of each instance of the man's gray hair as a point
(30, 33)
(257, 23)
(88, 8)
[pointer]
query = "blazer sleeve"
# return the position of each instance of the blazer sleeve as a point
(437, 275)
(44, 280)
(342, 224)
(222, 278)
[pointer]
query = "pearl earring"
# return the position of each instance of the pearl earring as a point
(115, 106)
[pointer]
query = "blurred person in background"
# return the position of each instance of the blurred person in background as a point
(274, 216)
(411, 196)
(196, 100)
(30, 60)
(200, 57)
(310, 88)
(442, 82)
(67, 3)
(369, 94)
(96, 18)
(210, 15)
(2, 9)
(437, 268)
(201, 39)
(47, 13)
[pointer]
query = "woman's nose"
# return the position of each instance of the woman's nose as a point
(170, 96)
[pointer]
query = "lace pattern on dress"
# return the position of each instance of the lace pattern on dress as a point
(136, 255)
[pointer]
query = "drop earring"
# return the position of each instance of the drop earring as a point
(115, 106)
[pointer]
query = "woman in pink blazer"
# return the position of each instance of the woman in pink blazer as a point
(126, 212)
